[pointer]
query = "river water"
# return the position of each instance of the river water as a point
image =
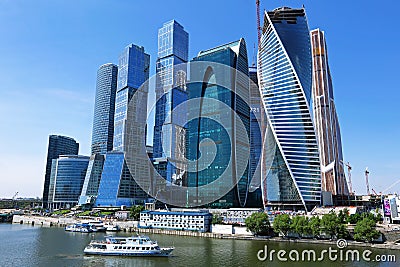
(24, 245)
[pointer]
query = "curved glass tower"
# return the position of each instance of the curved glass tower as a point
(104, 107)
(58, 145)
(67, 176)
(231, 88)
(291, 165)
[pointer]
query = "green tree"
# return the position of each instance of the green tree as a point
(343, 215)
(365, 230)
(134, 212)
(315, 225)
(258, 223)
(329, 223)
(354, 218)
(334, 225)
(300, 225)
(378, 217)
(282, 223)
(342, 232)
(217, 219)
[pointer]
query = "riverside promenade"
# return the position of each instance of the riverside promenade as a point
(64, 221)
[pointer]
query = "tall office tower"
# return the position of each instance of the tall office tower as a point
(126, 164)
(255, 196)
(66, 180)
(169, 131)
(219, 78)
(58, 145)
(291, 175)
(104, 108)
(326, 120)
(103, 130)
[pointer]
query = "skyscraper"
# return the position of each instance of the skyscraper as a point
(126, 164)
(326, 120)
(66, 180)
(219, 78)
(290, 158)
(102, 132)
(255, 196)
(169, 131)
(58, 145)
(92, 180)
(104, 108)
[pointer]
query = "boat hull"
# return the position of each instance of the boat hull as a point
(162, 253)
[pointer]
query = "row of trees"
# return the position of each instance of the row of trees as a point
(331, 224)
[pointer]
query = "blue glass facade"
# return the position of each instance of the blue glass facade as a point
(291, 164)
(92, 180)
(169, 131)
(58, 145)
(127, 162)
(207, 136)
(104, 108)
(255, 196)
(67, 179)
(133, 71)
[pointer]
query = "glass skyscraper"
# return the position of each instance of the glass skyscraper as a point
(67, 176)
(104, 107)
(103, 130)
(221, 74)
(58, 145)
(290, 159)
(169, 131)
(255, 196)
(92, 180)
(326, 120)
(127, 163)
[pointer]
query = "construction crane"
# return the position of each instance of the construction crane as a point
(13, 200)
(374, 192)
(349, 176)
(258, 23)
(366, 180)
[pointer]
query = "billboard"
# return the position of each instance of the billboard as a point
(386, 207)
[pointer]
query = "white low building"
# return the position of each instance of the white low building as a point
(171, 220)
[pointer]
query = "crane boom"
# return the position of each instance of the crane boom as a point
(366, 180)
(349, 175)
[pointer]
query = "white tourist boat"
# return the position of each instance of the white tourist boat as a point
(96, 226)
(127, 246)
(79, 227)
(112, 228)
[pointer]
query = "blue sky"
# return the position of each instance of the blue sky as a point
(50, 52)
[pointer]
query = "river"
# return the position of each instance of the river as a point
(25, 245)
